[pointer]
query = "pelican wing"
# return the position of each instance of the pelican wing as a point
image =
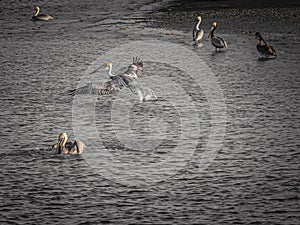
(78, 147)
(135, 70)
(218, 42)
(101, 88)
(272, 50)
(266, 50)
(199, 35)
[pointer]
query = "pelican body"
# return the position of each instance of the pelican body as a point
(65, 146)
(263, 48)
(36, 16)
(217, 42)
(197, 32)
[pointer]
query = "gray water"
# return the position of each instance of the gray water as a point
(253, 179)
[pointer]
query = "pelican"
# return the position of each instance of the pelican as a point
(218, 42)
(43, 17)
(65, 146)
(263, 48)
(197, 33)
(116, 82)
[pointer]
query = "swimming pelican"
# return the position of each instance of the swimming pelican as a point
(197, 33)
(65, 146)
(218, 42)
(43, 17)
(117, 82)
(263, 48)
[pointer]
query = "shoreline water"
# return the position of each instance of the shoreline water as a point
(190, 5)
(241, 18)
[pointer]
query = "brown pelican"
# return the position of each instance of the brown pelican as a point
(43, 17)
(65, 146)
(263, 48)
(218, 42)
(197, 33)
(116, 82)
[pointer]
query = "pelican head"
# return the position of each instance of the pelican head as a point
(60, 146)
(108, 68)
(62, 139)
(107, 65)
(213, 27)
(258, 36)
(36, 11)
(199, 18)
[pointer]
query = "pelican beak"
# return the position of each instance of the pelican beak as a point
(211, 29)
(97, 69)
(58, 145)
(209, 34)
(59, 142)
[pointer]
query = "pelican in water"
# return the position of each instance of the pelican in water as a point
(197, 32)
(217, 42)
(37, 16)
(65, 146)
(263, 48)
(116, 82)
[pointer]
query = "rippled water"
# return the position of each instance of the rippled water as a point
(253, 179)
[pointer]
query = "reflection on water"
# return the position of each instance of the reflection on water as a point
(253, 178)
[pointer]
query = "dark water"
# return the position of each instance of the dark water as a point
(253, 179)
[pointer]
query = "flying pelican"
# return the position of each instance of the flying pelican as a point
(218, 42)
(117, 82)
(197, 33)
(263, 48)
(43, 17)
(65, 146)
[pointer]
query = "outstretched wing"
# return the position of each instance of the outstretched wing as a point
(101, 88)
(135, 70)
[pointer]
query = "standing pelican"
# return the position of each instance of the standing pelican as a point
(117, 82)
(65, 146)
(37, 16)
(263, 48)
(197, 33)
(217, 42)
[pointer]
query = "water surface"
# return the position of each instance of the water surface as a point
(253, 179)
